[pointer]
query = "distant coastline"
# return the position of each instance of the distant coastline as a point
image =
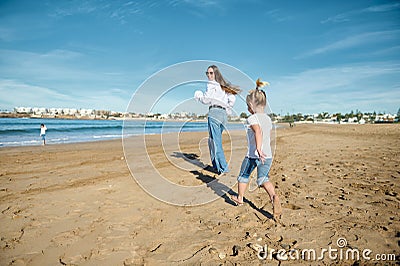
(73, 117)
(90, 114)
(17, 115)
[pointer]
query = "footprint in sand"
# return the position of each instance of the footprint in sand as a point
(67, 238)
(291, 206)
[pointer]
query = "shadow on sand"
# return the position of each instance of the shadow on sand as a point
(213, 183)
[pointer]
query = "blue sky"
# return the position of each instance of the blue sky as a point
(333, 56)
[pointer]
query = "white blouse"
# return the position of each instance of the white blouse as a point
(214, 95)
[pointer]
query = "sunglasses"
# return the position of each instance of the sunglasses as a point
(209, 73)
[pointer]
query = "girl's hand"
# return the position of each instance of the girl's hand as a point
(261, 155)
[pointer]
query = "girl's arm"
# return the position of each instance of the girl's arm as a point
(258, 135)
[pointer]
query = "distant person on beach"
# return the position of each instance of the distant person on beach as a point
(259, 153)
(220, 97)
(43, 129)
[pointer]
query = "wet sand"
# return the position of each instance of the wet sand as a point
(78, 204)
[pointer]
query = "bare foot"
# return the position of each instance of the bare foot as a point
(237, 201)
(277, 208)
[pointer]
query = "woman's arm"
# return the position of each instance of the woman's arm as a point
(206, 97)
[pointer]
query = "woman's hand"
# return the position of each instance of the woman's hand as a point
(198, 95)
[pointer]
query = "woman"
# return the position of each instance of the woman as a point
(220, 96)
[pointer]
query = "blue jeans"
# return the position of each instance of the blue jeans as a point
(248, 166)
(217, 120)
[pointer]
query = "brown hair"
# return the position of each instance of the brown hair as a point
(225, 85)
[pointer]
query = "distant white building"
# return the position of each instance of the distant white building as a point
(56, 111)
(39, 110)
(86, 112)
(164, 116)
(23, 110)
(353, 120)
(70, 111)
(385, 118)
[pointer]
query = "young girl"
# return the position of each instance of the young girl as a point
(259, 152)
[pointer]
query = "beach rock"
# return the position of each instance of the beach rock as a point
(235, 250)
(129, 262)
(275, 238)
(18, 262)
(222, 255)
(212, 251)
(391, 193)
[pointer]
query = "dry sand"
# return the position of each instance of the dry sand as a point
(78, 204)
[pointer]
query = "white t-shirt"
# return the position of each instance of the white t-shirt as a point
(265, 123)
(43, 130)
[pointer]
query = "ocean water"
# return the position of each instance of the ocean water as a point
(25, 131)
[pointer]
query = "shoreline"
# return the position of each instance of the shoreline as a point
(280, 126)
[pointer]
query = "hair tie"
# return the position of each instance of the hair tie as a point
(260, 84)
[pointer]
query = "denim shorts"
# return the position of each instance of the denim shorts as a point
(43, 136)
(248, 166)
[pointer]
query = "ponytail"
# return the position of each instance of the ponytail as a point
(258, 96)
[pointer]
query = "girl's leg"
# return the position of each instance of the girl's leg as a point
(276, 203)
(241, 190)
(270, 189)
(246, 169)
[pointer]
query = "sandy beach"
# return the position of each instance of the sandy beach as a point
(78, 204)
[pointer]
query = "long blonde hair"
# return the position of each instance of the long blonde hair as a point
(257, 96)
(225, 85)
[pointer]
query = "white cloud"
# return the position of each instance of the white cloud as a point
(338, 89)
(382, 8)
(197, 3)
(62, 77)
(120, 11)
(28, 95)
(354, 41)
(278, 15)
(347, 16)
